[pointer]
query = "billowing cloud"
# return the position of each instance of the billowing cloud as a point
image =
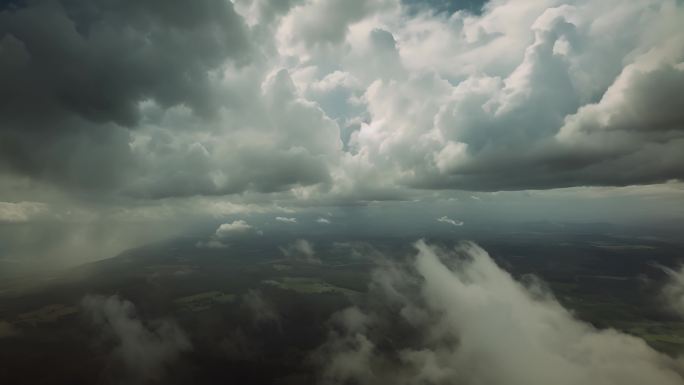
(552, 119)
(143, 348)
(127, 132)
(324, 23)
(450, 221)
(463, 320)
(360, 100)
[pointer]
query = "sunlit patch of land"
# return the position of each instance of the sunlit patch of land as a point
(621, 247)
(305, 285)
(171, 270)
(203, 301)
(47, 314)
(666, 337)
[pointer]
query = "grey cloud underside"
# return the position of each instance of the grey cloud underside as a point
(357, 101)
(73, 73)
(640, 142)
(98, 59)
(448, 6)
(77, 72)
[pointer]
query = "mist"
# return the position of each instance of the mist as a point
(455, 317)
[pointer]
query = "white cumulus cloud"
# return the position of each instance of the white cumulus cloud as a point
(235, 227)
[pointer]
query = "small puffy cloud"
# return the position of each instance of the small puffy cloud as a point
(450, 221)
(144, 348)
(457, 318)
(234, 228)
(286, 219)
(323, 221)
(302, 251)
(227, 232)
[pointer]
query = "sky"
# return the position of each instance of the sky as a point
(126, 122)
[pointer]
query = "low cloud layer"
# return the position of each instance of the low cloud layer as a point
(463, 320)
(143, 348)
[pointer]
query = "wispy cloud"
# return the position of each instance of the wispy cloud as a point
(301, 250)
(673, 290)
(472, 323)
(450, 221)
(143, 347)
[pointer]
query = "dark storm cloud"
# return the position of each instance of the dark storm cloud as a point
(74, 72)
(98, 59)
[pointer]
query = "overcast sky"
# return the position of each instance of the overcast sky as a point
(123, 116)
